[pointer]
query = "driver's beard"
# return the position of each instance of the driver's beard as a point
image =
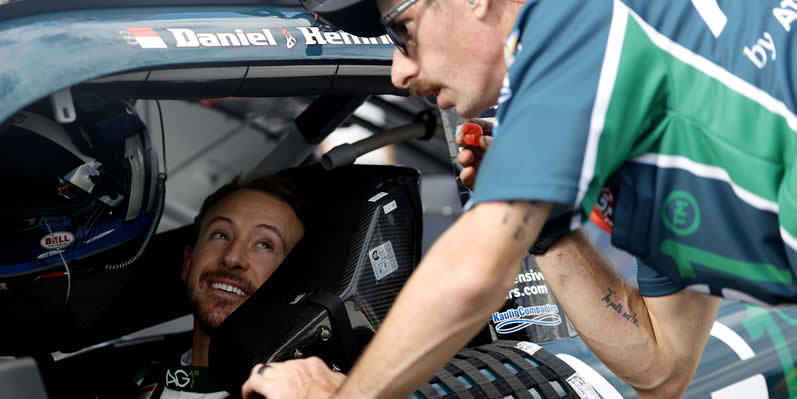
(209, 319)
(210, 312)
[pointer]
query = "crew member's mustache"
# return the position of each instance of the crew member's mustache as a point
(423, 87)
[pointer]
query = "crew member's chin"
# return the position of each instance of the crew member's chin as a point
(443, 102)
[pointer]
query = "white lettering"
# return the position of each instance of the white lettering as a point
(712, 15)
(768, 44)
(257, 39)
(184, 37)
(241, 37)
(758, 52)
(789, 3)
(180, 378)
(208, 39)
(785, 16)
(312, 35)
(348, 38)
(333, 38)
(270, 37)
(228, 39)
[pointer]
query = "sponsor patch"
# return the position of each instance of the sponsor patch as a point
(57, 240)
(523, 316)
(603, 210)
(178, 379)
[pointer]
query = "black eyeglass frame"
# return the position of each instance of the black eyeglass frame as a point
(387, 21)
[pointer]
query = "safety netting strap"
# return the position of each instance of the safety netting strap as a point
(501, 369)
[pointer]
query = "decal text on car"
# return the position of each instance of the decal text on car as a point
(189, 38)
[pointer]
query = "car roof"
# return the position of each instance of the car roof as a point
(181, 49)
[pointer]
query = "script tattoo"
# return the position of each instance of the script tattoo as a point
(621, 308)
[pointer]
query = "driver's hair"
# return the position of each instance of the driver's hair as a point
(275, 185)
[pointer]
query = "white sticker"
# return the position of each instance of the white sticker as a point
(383, 260)
(57, 240)
(390, 207)
(529, 347)
(583, 389)
(377, 197)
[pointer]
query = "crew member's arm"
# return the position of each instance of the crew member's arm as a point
(657, 348)
(463, 279)
(652, 343)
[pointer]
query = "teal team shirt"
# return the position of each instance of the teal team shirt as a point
(684, 108)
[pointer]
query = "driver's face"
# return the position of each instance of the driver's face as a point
(454, 51)
(242, 240)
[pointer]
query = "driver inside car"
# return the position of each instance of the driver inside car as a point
(244, 230)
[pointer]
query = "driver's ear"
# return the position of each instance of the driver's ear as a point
(186, 262)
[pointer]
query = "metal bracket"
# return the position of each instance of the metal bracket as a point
(63, 106)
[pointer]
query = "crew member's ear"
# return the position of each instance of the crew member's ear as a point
(186, 262)
(479, 7)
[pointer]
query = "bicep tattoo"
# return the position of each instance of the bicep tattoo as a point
(523, 224)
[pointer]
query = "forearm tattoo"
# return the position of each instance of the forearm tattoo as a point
(620, 307)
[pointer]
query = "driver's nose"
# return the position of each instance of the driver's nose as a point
(234, 256)
(403, 70)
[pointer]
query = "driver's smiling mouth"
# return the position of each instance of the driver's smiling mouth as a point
(228, 288)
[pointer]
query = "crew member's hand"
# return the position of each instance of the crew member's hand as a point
(293, 379)
(471, 157)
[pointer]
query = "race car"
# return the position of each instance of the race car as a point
(153, 104)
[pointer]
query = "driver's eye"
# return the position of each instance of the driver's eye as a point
(218, 236)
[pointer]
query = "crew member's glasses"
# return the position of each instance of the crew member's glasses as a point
(397, 31)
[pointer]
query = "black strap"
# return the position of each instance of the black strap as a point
(341, 325)
(503, 369)
(553, 368)
(534, 376)
(556, 364)
(477, 377)
(456, 386)
(507, 378)
(428, 391)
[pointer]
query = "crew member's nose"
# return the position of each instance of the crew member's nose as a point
(403, 70)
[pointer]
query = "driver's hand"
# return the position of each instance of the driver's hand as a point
(471, 157)
(293, 379)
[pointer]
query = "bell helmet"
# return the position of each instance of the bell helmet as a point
(73, 190)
